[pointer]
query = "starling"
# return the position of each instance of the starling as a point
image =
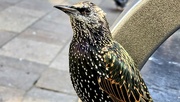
(120, 3)
(100, 68)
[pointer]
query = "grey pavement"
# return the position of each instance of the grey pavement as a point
(34, 43)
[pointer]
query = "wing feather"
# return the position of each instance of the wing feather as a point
(124, 82)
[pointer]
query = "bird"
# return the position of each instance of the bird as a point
(100, 69)
(120, 4)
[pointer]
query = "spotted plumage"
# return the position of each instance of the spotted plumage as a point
(100, 68)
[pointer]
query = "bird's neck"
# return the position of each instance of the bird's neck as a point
(100, 36)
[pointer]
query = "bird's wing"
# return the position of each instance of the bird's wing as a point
(123, 81)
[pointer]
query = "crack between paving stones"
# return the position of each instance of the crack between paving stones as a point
(33, 85)
(51, 90)
(59, 51)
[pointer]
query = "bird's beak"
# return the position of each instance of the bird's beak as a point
(67, 9)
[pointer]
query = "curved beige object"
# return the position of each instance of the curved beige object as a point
(145, 26)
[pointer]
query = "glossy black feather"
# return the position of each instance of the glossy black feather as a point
(100, 69)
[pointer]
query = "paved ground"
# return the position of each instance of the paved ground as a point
(34, 41)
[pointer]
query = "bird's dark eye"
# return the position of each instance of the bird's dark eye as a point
(84, 11)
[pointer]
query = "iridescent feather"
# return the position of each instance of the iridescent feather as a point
(100, 68)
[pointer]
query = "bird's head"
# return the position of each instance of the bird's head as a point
(85, 12)
(88, 22)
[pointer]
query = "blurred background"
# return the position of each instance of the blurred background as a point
(34, 43)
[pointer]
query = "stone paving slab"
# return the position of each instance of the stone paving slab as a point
(11, 1)
(41, 95)
(62, 60)
(11, 18)
(23, 65)
(11, 94)
(6, 36)
(49, 32)
(17, 78)
(30, 50)
(57, 16)
(36, 5)
(54, 27)
(57, 80)
(43, 36)
(4, 5)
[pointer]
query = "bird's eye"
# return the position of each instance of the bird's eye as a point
(84, 11)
